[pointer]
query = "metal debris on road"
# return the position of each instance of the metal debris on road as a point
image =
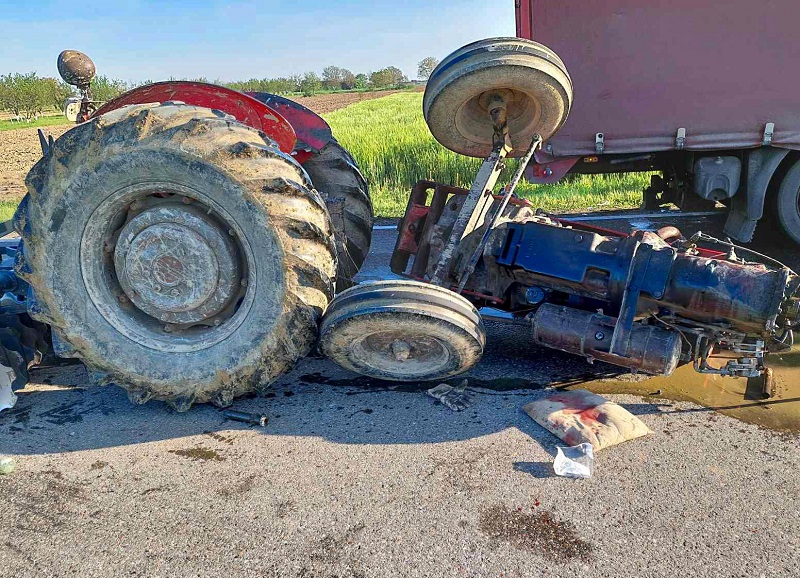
(7, 465)
(7, 396)
(244, 417)
(574, 462)
(456, 398)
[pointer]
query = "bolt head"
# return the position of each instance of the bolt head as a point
(599, 336)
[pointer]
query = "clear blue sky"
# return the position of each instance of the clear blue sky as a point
(148, 40)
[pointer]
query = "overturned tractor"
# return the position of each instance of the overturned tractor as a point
(184, 241)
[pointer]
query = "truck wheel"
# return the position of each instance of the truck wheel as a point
(787, 203)
(178, 253)
(335, 174)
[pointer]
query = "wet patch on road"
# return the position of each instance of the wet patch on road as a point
(739, 398)
(535, 531)
(199, 454)
(372, 384)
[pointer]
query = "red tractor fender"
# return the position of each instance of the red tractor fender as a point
(313, 133)
(244, 108)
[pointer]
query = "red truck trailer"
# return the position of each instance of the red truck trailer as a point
(706, 93)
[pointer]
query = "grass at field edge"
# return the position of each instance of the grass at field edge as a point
(393, 147)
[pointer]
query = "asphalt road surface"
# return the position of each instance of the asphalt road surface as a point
(353, 478)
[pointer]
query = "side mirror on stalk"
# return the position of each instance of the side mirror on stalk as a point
(76, 69)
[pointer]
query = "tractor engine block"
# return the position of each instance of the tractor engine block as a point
(636, 301)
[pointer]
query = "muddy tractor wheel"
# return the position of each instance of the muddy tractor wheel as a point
(402, 331)
(335, 174)
(178, 253)
(23, 342)
(787, 203)
(529, 77)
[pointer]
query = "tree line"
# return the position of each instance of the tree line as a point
(29, 95)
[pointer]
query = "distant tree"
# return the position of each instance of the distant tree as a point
(387, 77)
(335, 78)
(361, 81)
(332, 77)
(426, 67)
(397, 75)
(24, 94)
(348, 80)
(380, 79)
(57, 92)
(105, 88)
(310, 84)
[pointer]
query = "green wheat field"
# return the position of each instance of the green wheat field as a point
(394, 149)
(391, 143)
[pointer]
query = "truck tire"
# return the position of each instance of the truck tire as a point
(787, 203)
(336, 175)
(177, 253)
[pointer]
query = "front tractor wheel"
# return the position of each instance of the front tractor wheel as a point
(179, 254)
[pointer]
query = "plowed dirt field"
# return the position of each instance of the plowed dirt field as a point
(19, 148)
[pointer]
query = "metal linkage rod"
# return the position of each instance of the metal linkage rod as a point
(469, 269)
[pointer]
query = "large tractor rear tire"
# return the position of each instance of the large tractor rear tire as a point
(178, 253)
(336, 175)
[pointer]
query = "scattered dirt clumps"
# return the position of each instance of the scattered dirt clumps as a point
(322, 103)
(199, 454)
(19, 150)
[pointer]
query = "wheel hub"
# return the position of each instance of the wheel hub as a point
(176, 264)
(401, 351)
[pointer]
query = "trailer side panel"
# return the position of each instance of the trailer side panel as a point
(644, 70)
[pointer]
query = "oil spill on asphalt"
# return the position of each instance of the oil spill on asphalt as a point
(371, 384)
(740, 398)
(535, 531)
(199, 454)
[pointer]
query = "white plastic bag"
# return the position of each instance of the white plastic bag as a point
(575, 461)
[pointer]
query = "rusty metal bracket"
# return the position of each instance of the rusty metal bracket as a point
(473, 211)
(620, 340)
(468, 268)
(480, 197)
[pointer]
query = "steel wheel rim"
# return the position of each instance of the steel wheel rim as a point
(401, 353)
(209, 243)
